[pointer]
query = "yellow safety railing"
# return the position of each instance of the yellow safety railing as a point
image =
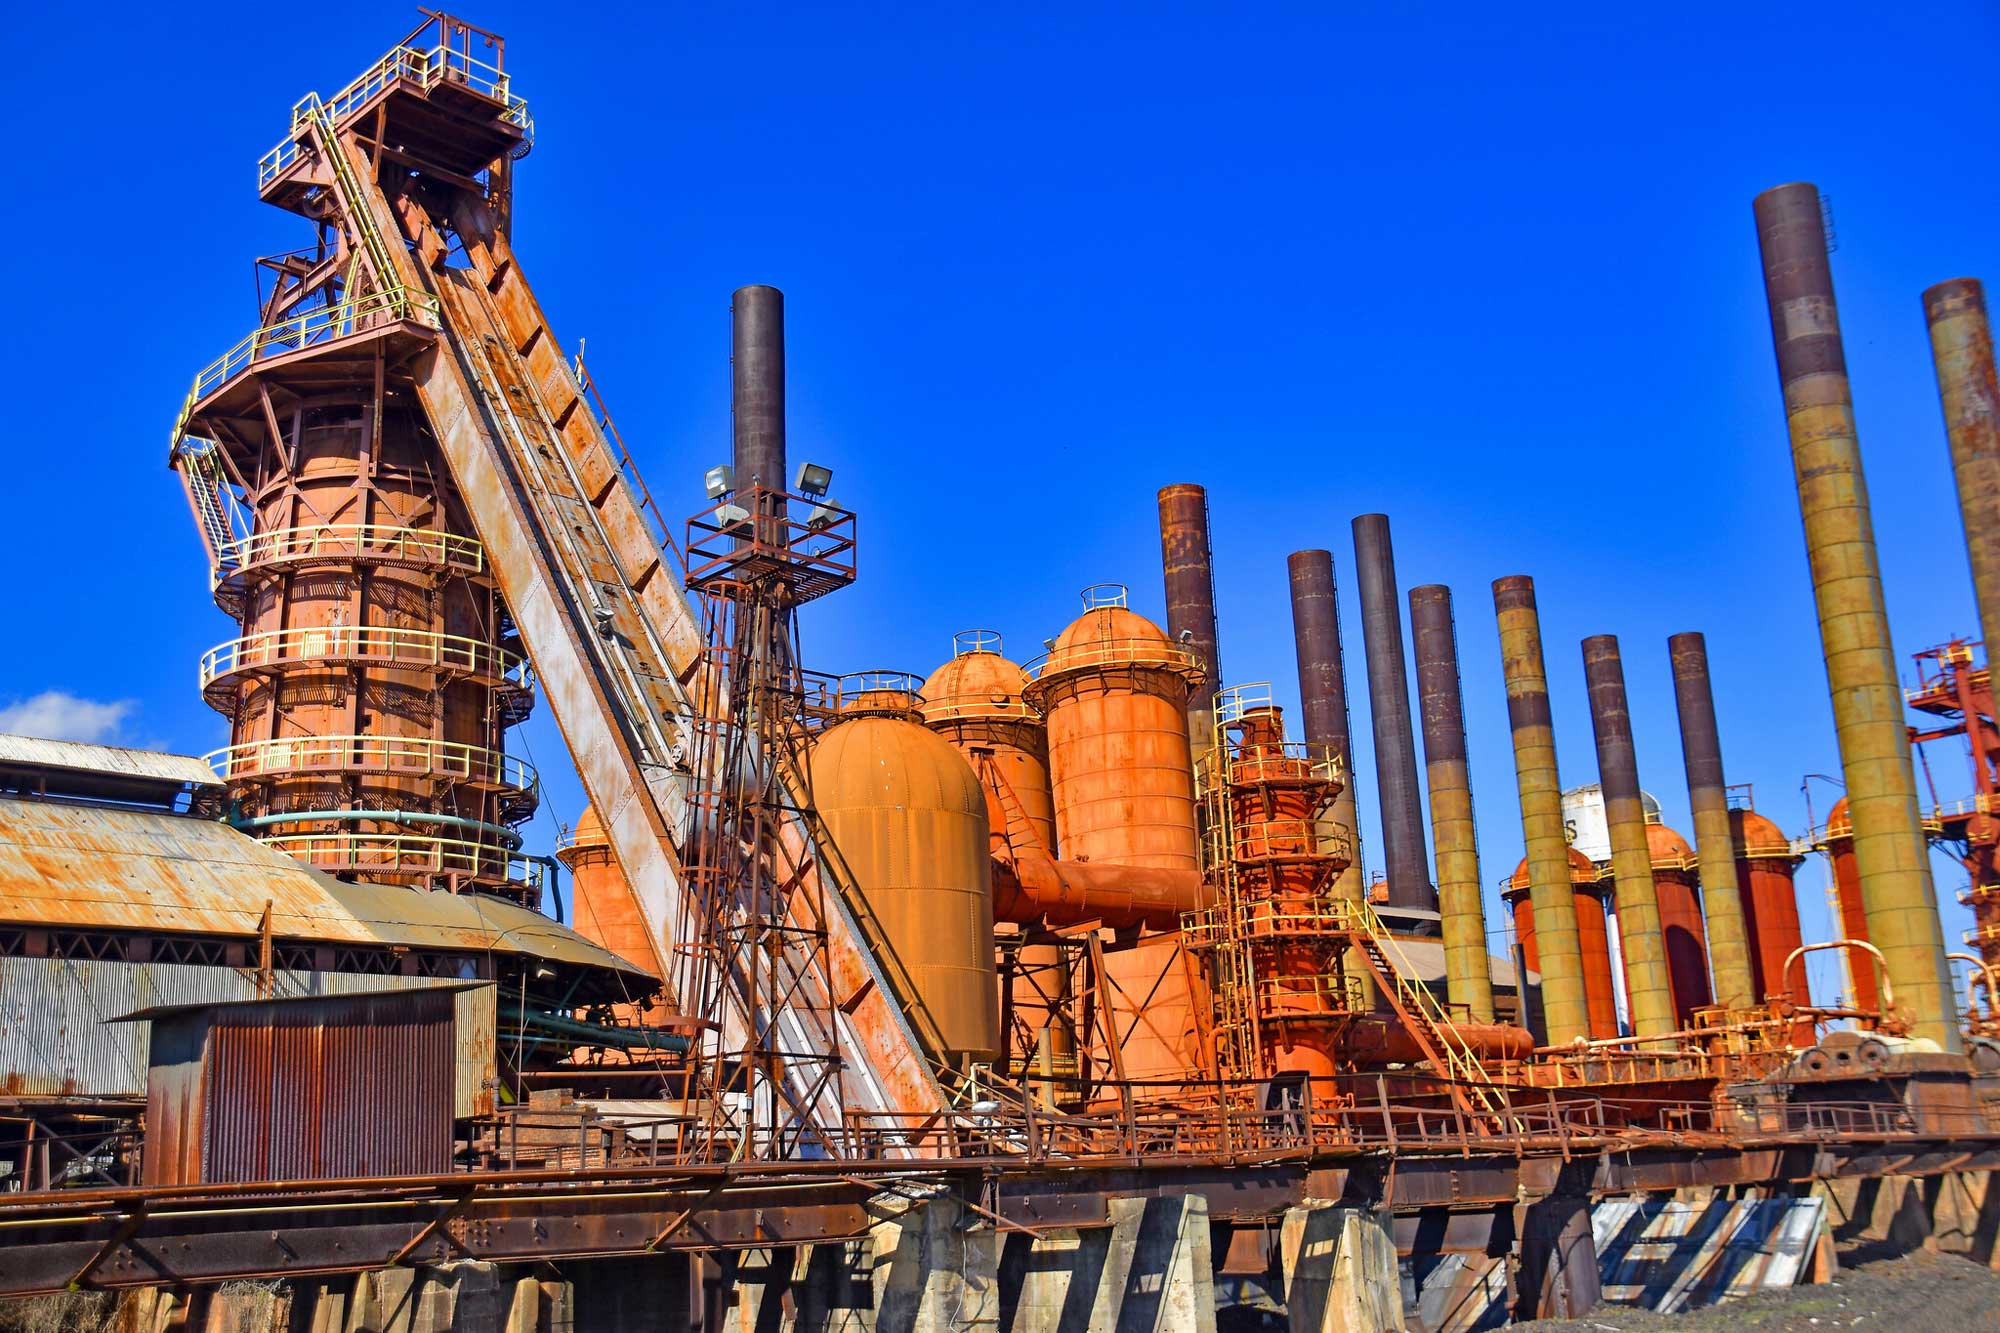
(404, 854)
(390, 644)
(1102, 654)
(415, 755)
(358, 542)
(425, 68)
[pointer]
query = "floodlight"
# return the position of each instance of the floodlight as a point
(822, 517)
(719, 481)
(813, 480)
(729, 515)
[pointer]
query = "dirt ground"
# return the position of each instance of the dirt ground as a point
(1918, 1293)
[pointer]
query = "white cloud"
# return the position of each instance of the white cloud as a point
(57, 716)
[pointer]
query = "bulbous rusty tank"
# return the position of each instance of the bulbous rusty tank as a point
(909, 817)
(1686, 934)
(1765, 866)
(975, 702)
(1593, 938)
(1838, 844)
(602, 908)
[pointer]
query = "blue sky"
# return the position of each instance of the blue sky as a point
(1492, 273)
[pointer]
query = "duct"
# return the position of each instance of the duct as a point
(1388, 1041)
(1649, 993)
(1889, 846)
(1565, 1007)
(757, 386)
(1721, 893)
(1962, 348)
(1187, 562)
(1323, 700)
(1033, 886)
(1403, 853)
(1453, 834)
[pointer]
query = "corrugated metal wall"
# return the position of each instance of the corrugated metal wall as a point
(55, 1040)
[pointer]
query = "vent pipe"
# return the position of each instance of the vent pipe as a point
(1403, 854)
(1962, 347)
(1323, 699)
(757, 387)
(1441, 705)
(1188, 563)
(1889, 847)
(1714, 842)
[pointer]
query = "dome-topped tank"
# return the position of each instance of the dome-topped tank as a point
(976, 702)
(602, 908)
(1114, 690)
(878, 694)
(1592, 936)
(1838, 844)
(1765, 865)
(1686, 935)
(908, 816)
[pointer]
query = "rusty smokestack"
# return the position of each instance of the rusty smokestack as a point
(1889, 848)
(1189, 566)
(1715, 849)
(1323, 698)
(1649, 992)
(1439, 703)
(1403, 855)
(757, 386)
(1565, 1006)
(1962, 348)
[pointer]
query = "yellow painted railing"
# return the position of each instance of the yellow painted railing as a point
(415, 755)
(403, 854)
(392, 645)
(358, 542)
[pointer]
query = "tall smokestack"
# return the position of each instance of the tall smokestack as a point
(1323, 693)
(1962, 347)
(1708, 798)
(757, 386)
(1403, 854)
(1441, 706)
(1190, 574)
(1889, 844)
(1649, 992)
(1565, 1005)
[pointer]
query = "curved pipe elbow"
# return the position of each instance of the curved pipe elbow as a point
(1033, 886)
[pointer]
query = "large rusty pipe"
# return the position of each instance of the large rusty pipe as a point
(1565, 1006)
(757, 386)
(1962, 348)
(1889, 846)
(1453, 835)
(1371, 1041)
(1708, 798)
(1035, 887)
(1403, 855)
(1323, 699)
(1189, 567)
(1649, 993)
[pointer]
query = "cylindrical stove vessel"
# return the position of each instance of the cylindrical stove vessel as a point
(1889, 847)
(1565, 1005)
(1837, 842)
(1403, 855)
(757, 388)
(1766, 866)
(909, 817)
(1323, 702)
(1730, 955)
(1682, 931)
(1188, 566)
(602, 906)
(1114, 691)
(1649, 993)
(1592, 932)
(1462, 913)
(1962, 350)
(975, 702)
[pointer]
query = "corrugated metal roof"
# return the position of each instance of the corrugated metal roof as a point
(70, 866)
(75, 757)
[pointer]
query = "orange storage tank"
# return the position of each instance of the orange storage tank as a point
(975, 702)
(1765, 866)
(1838, 844)
(1114, 690)
(1593, 938)
(1674, 880)
(908, 816)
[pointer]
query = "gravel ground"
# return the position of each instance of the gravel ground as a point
(1918, 1293)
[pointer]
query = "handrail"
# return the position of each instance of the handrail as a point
(1144, 653)
(394, 854)
(357, 542)
(402, 647)
(415, 754)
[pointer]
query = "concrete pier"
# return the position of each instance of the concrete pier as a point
(1339, 1270)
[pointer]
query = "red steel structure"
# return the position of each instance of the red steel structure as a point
(1955, 686)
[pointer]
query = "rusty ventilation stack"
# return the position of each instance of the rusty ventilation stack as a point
(757, 387)
(1962, 348)
(1188, 564)
(1463, 917)
(1403, 855)
(1565, 1002)
(1323, 702)
(1729, 954)
(1889, 848)
(1649, 991)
